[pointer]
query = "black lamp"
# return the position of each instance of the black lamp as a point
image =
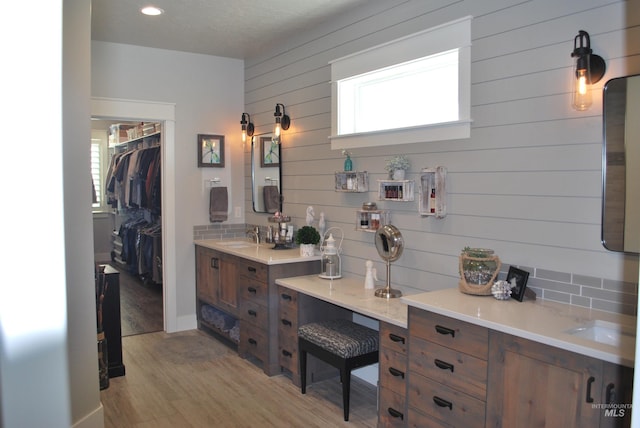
(247, 126)
(589, 69)
(282, 121)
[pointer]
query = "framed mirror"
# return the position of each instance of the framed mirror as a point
(620, 160)
(266, 174)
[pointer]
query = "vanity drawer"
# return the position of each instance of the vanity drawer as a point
(253, 341)
(288, 355)
(253, 290)
(254, 270)
(288, 300)
(254, 313)
(393, 337)
(391, 409)
(393, 371)
(449, 332)
(449, 367)
(446, 404)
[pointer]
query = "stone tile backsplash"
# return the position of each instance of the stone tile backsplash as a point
(580, 290)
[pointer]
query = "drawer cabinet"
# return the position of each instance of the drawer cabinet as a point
(447, 370)
(392, 375)
(296, 309)
(254, 311)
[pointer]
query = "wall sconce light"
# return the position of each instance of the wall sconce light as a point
(589, 69)
(282, 121)
(247, 127)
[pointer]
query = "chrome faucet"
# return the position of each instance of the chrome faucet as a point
(255, 233)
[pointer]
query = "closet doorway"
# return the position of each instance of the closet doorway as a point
(125, 170)
(127, 111)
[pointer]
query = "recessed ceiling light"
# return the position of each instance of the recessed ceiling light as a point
(151, 10)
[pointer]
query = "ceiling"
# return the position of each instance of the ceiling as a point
(228, 28)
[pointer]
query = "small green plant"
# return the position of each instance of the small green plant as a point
(397, 162)
(307, 235)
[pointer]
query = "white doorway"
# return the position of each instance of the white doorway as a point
(133, 110)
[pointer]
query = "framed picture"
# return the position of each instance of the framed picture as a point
(210, 151)
(521, 277)
(270, 152)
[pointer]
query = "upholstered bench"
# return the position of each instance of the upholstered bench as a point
(340, 343)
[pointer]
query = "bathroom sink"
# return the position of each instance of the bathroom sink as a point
(236, 244)
(606, 333)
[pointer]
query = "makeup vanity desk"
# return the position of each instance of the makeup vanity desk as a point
(305, 299)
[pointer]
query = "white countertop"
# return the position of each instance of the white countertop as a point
(262, 253)
(540, 321)
(350, 293)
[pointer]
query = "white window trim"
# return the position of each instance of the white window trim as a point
(452, 35)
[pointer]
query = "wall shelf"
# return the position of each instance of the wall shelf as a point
(396, 190)
(371, 220)
(433, 192)
(352, 181)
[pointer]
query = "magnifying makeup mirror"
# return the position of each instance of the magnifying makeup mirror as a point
(389, 244)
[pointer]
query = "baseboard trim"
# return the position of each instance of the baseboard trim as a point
(94, 419)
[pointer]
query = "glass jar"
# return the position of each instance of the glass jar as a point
(479, 265)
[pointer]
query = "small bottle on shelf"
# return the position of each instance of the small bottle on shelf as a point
(432, 200)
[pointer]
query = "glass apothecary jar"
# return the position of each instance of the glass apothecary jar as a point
(479, 268)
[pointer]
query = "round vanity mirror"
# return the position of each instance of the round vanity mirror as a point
(389, 244)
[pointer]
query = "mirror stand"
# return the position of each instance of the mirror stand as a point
(388, 292)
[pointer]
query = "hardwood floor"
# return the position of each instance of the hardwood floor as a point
(189, 379)
(141, 307)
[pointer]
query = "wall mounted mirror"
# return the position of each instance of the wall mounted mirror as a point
(620, 160)
(266, 174)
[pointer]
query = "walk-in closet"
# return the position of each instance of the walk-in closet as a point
(126, 176)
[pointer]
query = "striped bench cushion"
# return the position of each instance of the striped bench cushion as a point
(341, 337)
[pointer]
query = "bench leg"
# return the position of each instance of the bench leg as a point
(345, 374)
(303, 370)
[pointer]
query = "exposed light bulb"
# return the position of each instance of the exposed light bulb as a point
(581, 93)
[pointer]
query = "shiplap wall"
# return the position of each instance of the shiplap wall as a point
(526, 184)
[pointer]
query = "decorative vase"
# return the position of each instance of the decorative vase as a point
(398, 174)
(307, 250)
(479, 267)
(348, 163)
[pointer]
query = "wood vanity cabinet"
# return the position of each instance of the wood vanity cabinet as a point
(259, 299)
(392, 375)
(216, 279)
(447, 371)
(532, 384)
(294, 310)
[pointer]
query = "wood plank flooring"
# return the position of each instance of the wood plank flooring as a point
(141, 307)
(190, 379)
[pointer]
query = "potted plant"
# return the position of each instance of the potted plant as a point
(307, 237)
(397, 166)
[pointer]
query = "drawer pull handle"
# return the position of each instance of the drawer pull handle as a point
(444, 330)
(611, 394)
(589, 382)
(396, 338)
(442, 402)
(252, 341)
(285, 297)
(394, 413)
(443, 365)
(251, 269)
(285, 322)
(214, 262)
(252, 312)
(252, 290)
(395, 372)
(286, 353)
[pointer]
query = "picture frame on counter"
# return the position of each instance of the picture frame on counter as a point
(521, 277)
(210, 151)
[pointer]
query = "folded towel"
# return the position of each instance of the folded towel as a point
(218, 204)
(271, 197)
